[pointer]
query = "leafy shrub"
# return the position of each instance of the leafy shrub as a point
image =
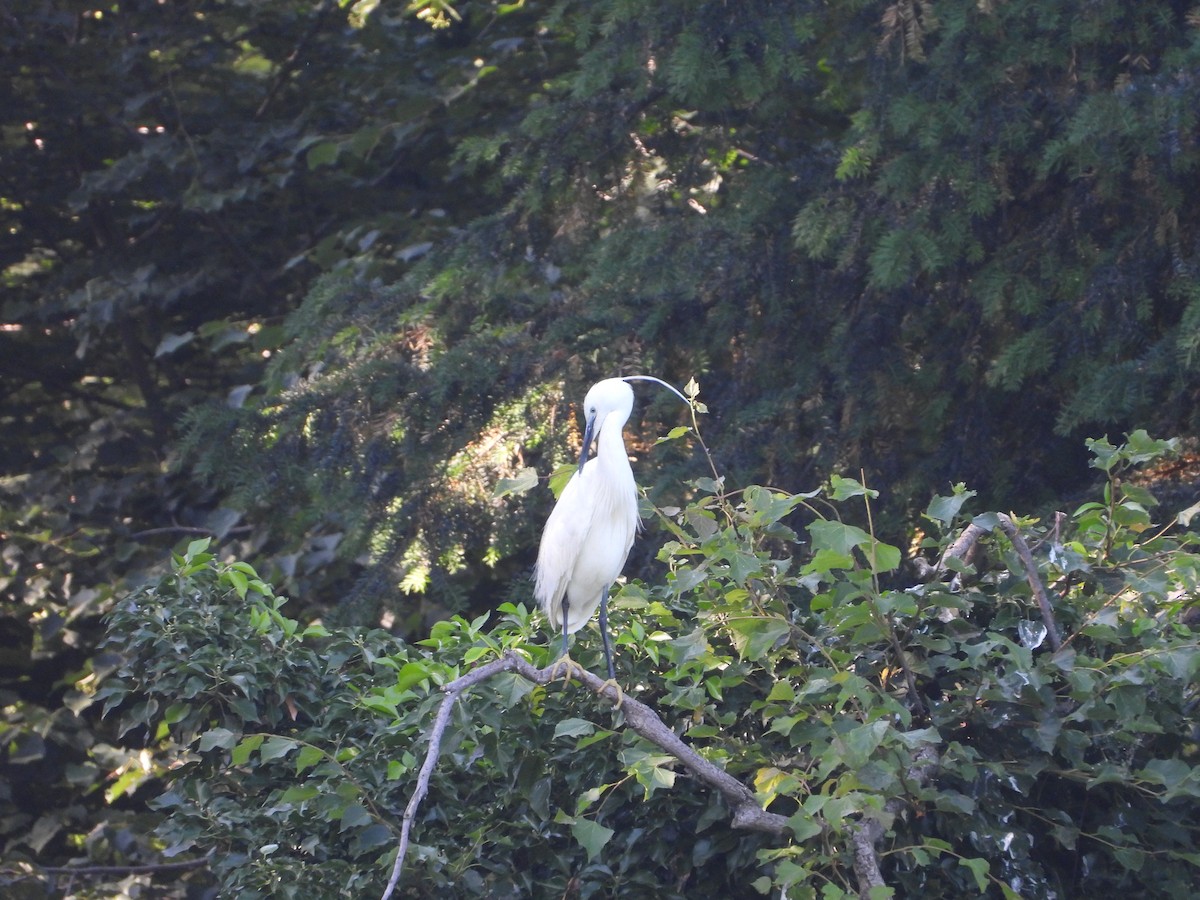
(782, 645)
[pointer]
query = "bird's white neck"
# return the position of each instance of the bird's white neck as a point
(610, 445)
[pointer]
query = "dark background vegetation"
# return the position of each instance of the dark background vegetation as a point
(310, 277)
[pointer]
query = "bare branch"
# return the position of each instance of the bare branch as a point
(1009, 527)
(965, 543)
(145, 869)
(642, 719)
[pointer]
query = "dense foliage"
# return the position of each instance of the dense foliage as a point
(289, 753)
(311, 277)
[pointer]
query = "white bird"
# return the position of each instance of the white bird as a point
(588, 535)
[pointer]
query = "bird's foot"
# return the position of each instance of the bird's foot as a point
(566, 668)
(612, 683)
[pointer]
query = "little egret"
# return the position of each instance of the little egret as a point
(588, 535)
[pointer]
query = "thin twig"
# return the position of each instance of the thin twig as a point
(643, 720)
(146, 869)
(188, 529)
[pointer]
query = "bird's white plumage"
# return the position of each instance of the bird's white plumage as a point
(587, 538)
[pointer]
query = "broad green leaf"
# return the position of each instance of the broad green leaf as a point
(218, 737)
(299, 793)
(837, 536)
(804, 826)
(946, 509)
(246, 746)
(355, 816)
(573, 728)
(526, 479)
(410, 674)
(308, 757)
(754, 636)
(979, 868)
(857, 745)
(275, 747)
(592, 836)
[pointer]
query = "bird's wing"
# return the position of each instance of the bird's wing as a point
(562, 539)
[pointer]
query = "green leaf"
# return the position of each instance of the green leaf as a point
(239, 581)
(946, 509)
(196, 548)
(299, 793)
(410, 674)
(246, 746)
(172, 342)
(322, 154)
(857, 745)
(886, 558)
(573, 728)
(355, 816)
(275, 747)
(848, 488)
(526, 479)
(592, 836)
(754, 636)
(673, 435)
(979, 868)
(837, 536)
(218, 737)
(308, 757)
(803, 826)
(1176, 776)
(692, 645)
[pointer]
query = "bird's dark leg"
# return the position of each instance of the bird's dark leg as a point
(564, 661)
(612, 673)
(566, 608)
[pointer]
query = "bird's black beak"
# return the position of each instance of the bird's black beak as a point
(589, 435)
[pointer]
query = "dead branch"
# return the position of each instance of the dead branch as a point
(962, 546)
(1009, 527)
(108, 871)
(643, 720)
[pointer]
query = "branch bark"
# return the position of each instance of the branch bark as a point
(1009, 527)
(642, 719)
(962, 546)
(865, 836)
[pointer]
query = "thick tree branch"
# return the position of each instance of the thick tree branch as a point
(643, 720)
(865, 836)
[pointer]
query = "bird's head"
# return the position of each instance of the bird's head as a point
(604, 399)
